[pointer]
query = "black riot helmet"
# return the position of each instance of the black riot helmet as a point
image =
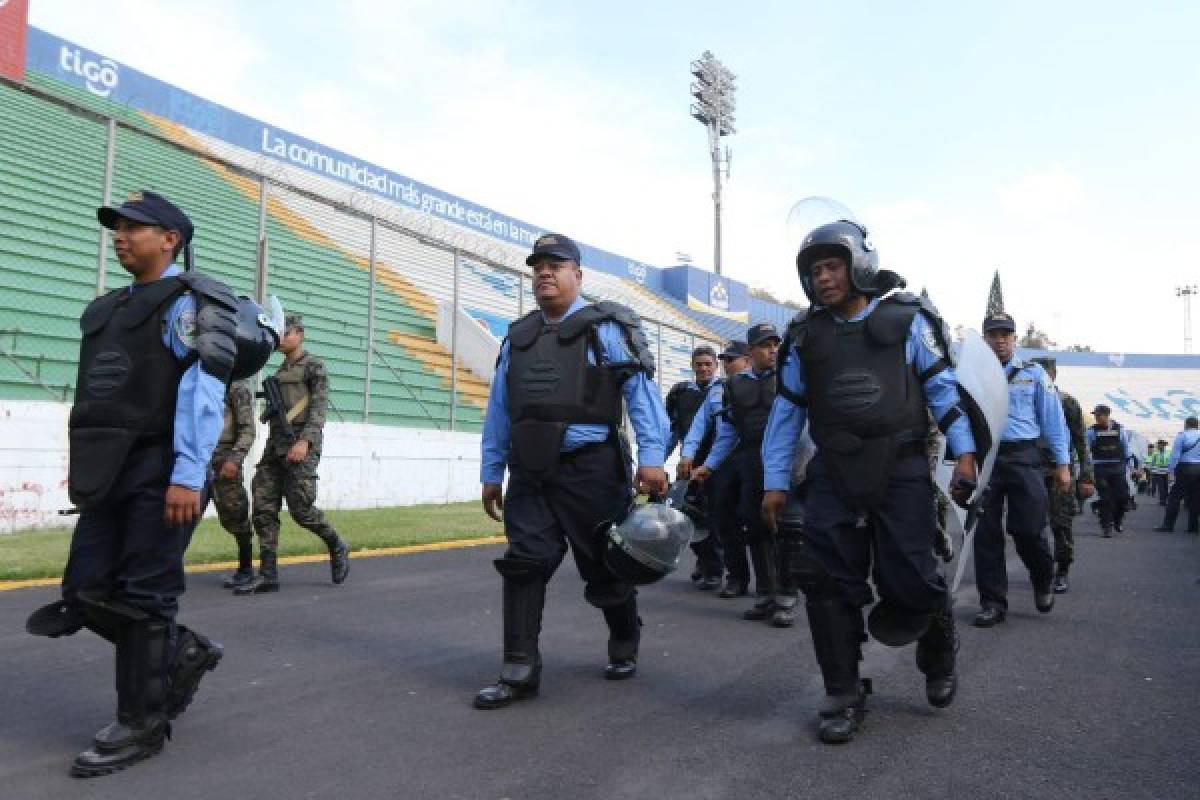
(646, 545)
(257, 332)
(845, 240)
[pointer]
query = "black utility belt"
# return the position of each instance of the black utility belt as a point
(587, 449)
(1012, 448)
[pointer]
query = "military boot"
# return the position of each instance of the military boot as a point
(267, 579)
(339, 559)
(141, 727)
(524, 597)
(784, 615)
(624, 634)
(245, 571)
(936, 652)
(194, 656)
(1061, 584)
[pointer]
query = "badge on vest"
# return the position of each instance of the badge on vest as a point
(185, 327)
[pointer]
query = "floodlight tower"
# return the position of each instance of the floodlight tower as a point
(1186, 292)
(713, 91)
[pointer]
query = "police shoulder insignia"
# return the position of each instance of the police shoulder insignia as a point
(930, 340)
(185, 327)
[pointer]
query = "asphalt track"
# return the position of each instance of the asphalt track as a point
(364, 690)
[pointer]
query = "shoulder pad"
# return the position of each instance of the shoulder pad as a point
(941, 331)
(522, 332)
(889, 323)
(99, 310)
(631, 326)
(797, 329)
(211, 289)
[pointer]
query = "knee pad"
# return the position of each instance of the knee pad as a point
(521, 570)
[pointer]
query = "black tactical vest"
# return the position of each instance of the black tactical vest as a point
(864, 399)
(551, 384)
(1107, 444)
(683, 402)
(126, 387)
(749, 401)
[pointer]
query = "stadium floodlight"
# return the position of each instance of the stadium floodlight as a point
(713, 92)
(1187, 292)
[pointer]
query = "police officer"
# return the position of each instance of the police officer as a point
(228, 488)
(1157, 463)
(1034, 412)
(868, 365)
(153, 364)
(748, 398)
(1109, 445)
(722, 488)
(1185, 466)
(288, 467)
(684, 403)
(1062, 503)
(566, 372)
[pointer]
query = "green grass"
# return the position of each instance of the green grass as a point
(43, 553)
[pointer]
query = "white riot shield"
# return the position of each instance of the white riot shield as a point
(984, 392)
(1137, 447)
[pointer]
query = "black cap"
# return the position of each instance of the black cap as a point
(735, 349)
(761, 332)
(148, 208)
(1102, 409)
(999, 322)
(554, 245)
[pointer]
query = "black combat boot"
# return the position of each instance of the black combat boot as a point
(734, 587)
(624, 634)
(245, 571)
(838, 634)
(339, 559)
(194, 656)
(1061, 584)
(936, 651)
(141, 727)
(766, 577)
(267, 579)
(784, 615)
(524, 598)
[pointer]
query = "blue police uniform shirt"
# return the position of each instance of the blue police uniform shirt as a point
(727, 436)
(1124, 436)
(713, 402)
(674, 440)
(787, 420)
(642, 399)
(1188, 440)
(200, 402)
(1034, 409)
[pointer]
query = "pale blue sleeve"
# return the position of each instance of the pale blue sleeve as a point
(199, 404)
(647, 414)
(941, 386)
(784, 427)
(723, 444)
(700, 423)
(1176, 452)
(1050, 418)
(495, 444)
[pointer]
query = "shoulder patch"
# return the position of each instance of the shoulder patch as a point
(930, 339)
(185, 327)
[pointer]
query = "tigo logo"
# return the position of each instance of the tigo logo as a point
(101, 76)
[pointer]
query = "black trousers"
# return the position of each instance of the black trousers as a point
(894, 547)
(571, 506)
(1016, 482)
(1113, 489)
(709, 561)
(124, 548)
(1186, 488)
(726, 490)
(1158, 484)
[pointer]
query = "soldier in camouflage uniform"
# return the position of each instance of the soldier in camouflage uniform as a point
(290, 470)
(943, 546)
(1061, 509)
(228, 489)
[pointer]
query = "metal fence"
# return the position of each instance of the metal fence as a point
(366, 274)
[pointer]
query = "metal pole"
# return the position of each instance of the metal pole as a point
(714, 143)
(110, 155)
(260, 277)
(454, 344)
(370, 323)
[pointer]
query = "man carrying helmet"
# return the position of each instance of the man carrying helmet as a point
(565, 376)
(865, 365)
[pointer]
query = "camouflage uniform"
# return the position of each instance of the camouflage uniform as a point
(1062, 504)
(942, 545)
(305, 388)
(229, 496)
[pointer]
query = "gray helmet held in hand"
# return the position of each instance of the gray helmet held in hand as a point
(646, 545)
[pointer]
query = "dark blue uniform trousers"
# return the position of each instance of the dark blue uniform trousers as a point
(123, 548)
(571, 505)
(1018, 482)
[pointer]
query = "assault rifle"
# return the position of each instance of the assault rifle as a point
(275, 411)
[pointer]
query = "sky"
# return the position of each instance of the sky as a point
(1052, 141)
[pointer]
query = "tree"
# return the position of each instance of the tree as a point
(1036, 340)
(995, 301)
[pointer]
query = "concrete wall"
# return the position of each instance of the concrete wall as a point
(363, 466)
